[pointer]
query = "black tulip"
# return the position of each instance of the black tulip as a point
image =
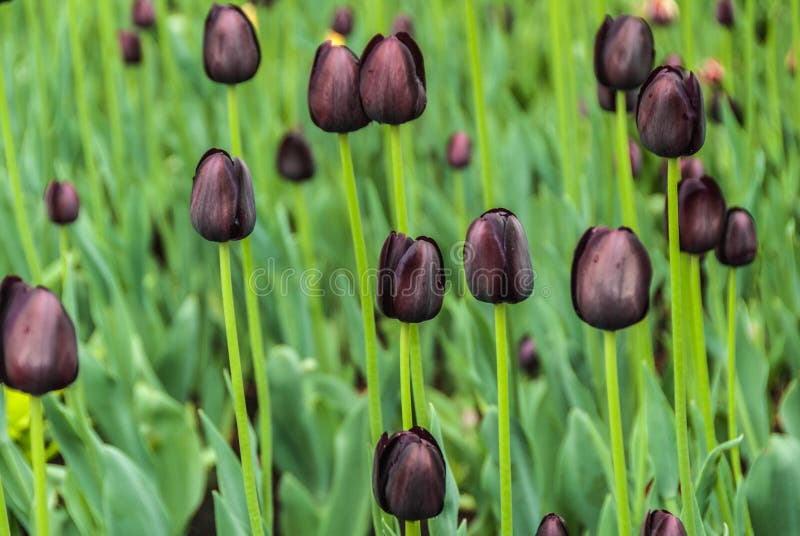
(402, 23)
(607, 98)
(408, 475)
(623, 52)
(143, 14)
(635, 153)
(131, 47)
(333, 96)
(39, 346)
(725, 13)
(670, 114)
(231, 54)
(739, 242)
(497, 261)
(662, 523)
(223, 204)
(718, 100)
(392, 80)
(295, 161)
(410, 278)
(611, 276)
(459, 150)
(343, 20)
(528, 356)
(701, 214)
(552, 525)
(62, 202)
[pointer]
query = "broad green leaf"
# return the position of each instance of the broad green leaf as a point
(446, 522)
(299, 513)
(790, 409)
(773, 487)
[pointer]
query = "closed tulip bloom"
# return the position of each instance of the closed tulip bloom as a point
(739, 243)
(635, 153)
(333, 99)
(223, 204)
(528, 356)
(410, 278)
(459, 150)
(725, 13)
(143, 13)
(62, 202)
(611, 276)
(552, 525)
(392, 80)
(670, 115)
(497, 261)
(231, 54)
(623, 52)
(130, 46)
(408, 475)
(607, 98)
(662, 523)
(295, 162)
(701, 214)
(343, 20)
(39, 346)
(718, 100)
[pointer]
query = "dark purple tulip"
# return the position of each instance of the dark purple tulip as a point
(143, 14)
(670, 115)
(528, 356)
(408, 475)
(459, 150)
(607, 98)
(231, 54)
(623, 52)
(402, 23)
(739, 243)
(611, 276)
(333, 99)
(552, 525)
(39, 346)
(725, 13)
(343, 20)
(392, 80)
(410, 278)
(497, 261)
(62, 202)
(662, 523)
(635, 153)
(223, 204)
(294, 161)
(701, 214)
(718, 100)
(131, 47)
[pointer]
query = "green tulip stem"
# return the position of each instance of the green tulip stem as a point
(749, 30)
(237, 384)
(5, 529)
(557, 62)
(699, 350)
(412, 528)
(688, 36)
(33, 19)
(367, 313)
(398, 183)
(38, 462)
(503, 418)
(624, 171)
(736, 461)
(256, 338)
(479, 104)
(110, 61)
(678, 356)
(795, 10)
(63, 248)
(20, 214)
(615, 432)
(147, 102)
(405, 379)
(418, 378)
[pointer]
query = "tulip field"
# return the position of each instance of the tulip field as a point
(431, 267)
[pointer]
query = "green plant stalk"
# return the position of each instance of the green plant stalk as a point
(290, 51)
(39, 465)
(624, 172)
(367, 312)
(795, 10)
(412, 528)
(398, 184)
(736, 461)
(615, 432)
(503, 419)
(774, 100)
(418, 378)
(33, 20)
(560, 86)
(727, 59)
(479, 104)
(681, 432)
(110, 58)
(407, 412)
(688, 36)
(237, 383)
(20, 214)
(63, 247)
(5, 529)
(256, 338)
(147, 103)
(750, 81)
(461, 210)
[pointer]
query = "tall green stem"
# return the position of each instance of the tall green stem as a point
(615, 432)
(681, 432)
(624, 172)
(110, 55)
(34, 21)
(479, 104)
(237, 383)
(736, 461)
(39, 465)
(688, 35)
(418, 378)
(699, 350)
(503, 419)
(405, 379)
(562, 106)
(795, 10)
(398, 184)
(367, 313)
(750, 81)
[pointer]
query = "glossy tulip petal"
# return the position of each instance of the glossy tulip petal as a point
(662, 523)
(552, 525)
(701, 214)
(62, 202)
(231, 53)
(295, 161)
(334, 102)
(738, 243)
(623, 52)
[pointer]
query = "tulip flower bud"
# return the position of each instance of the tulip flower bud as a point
(295, 162)
(718, 100)
(701, 214)
(459, 150)
(333, 99)
(131, 47)
(623, 52)
(607, 98)
(231, 54)
(528, 356)
(402, 23)
(725, 13)
(223, 205)
(392, 80)
(39, 346)
(410, 278)
(497, 261)
(408, 475)
(343, 21)
(739, 243)
(635, 153)
(552, 525)
(611, 276)
(662, 12)
(143, 14)
(662, 523)
(670, 114)
(62, 202)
